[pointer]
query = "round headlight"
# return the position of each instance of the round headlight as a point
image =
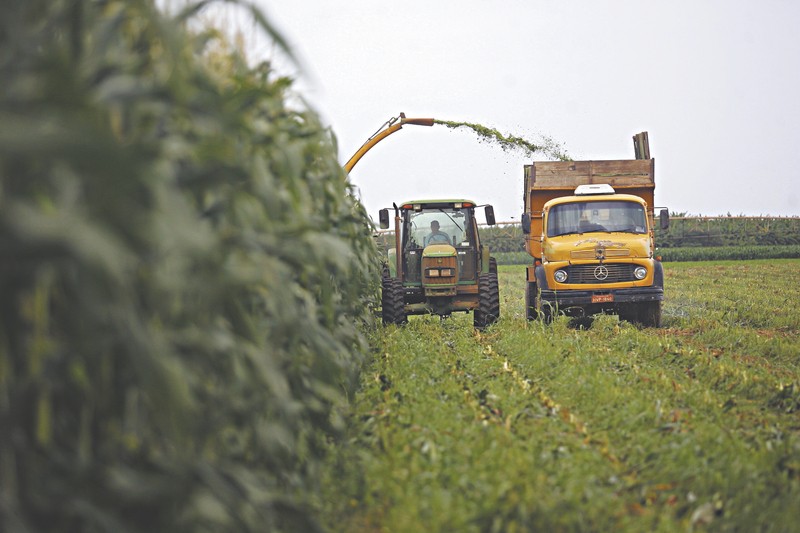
(560, 275)
(640, 272)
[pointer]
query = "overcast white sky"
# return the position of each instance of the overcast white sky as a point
(715, 83)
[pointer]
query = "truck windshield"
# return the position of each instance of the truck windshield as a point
(600, 216)
(437, 226)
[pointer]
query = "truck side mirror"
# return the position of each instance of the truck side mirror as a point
(383, 216)
(664, 217)
(489, 210)
(526, 223)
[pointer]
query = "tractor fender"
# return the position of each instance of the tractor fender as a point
(392, 262)
(484, 259)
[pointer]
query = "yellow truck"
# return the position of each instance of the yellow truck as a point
(589, 228)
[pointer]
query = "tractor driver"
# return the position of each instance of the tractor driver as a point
(436, 236)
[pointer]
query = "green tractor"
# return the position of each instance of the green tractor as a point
(438, 265)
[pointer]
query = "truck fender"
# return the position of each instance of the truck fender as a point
(541, 278)
(658, 274)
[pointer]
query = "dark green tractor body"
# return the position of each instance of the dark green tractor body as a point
(438, 264)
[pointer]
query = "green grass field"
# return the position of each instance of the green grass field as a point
(526, 427)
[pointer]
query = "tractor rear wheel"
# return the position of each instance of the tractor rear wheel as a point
(392, 304)
(488, 310)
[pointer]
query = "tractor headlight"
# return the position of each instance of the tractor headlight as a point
(433, 273)
(640, 272)
(560, 275)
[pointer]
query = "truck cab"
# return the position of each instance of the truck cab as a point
(598, 255)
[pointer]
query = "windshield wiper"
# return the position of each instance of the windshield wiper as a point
(627, 230)
(451, 218)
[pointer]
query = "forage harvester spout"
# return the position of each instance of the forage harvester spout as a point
(390, 126)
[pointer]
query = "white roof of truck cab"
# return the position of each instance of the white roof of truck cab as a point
(595, 188)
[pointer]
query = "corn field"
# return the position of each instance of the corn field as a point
(185, 278)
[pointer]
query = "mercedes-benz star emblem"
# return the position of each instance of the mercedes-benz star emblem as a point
(600, 273)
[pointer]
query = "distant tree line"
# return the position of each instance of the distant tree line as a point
(687, 231)
(684, 231)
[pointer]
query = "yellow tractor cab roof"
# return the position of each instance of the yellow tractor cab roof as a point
(418, 205)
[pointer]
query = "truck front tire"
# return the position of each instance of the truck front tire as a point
(646, 314)
(649, 314)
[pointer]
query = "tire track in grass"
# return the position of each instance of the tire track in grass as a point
(563, 457)
(652, 497)
(688, 438)
(552, 465)
(431, 414)
(633, 495)
(482, 402)
(680, 417)
(529, 387)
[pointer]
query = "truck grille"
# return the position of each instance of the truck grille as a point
(605, 273)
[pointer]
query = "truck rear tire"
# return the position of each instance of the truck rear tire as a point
(488, 310)
(392, 304)
(530, 301)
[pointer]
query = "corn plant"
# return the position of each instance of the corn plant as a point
(185, 275)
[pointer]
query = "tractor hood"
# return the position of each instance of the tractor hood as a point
(438, 250)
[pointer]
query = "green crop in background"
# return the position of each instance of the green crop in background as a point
(184, 275)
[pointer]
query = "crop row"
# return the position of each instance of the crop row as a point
(533, 427)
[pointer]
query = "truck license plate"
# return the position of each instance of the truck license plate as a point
(602, 298)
